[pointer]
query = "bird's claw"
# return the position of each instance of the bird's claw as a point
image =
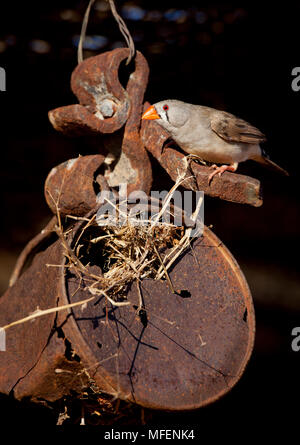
(219, 171)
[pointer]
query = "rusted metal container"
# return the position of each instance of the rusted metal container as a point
(192, 349)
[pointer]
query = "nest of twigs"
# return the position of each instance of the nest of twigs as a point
(132, 248)
(125, 253)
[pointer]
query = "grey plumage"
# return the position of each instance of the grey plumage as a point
(213, 135)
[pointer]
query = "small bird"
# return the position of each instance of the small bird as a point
(212, 135)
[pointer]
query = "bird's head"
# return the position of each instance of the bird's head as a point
(170, 114)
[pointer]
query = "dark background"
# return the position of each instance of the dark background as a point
(226, 55)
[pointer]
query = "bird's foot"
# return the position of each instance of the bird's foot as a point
(220, 170)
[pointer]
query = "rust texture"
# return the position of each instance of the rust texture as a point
(133, 147)
(94, 81)
(36, 288)
(71, 185)
(36, 354)
(230, 187)
(105, 107)
(187, 350)
(183, 350)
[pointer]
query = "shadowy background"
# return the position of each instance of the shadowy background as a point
(229, 56)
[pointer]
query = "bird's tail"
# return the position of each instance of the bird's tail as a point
(270, 164)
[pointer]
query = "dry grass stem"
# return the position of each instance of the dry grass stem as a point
(40, 313)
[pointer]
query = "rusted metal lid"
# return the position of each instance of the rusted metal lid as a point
(183, 351)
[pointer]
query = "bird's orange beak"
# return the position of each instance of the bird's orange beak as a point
(151, 114)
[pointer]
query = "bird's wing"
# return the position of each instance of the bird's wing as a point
(232, 129)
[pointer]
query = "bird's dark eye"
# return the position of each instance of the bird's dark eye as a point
(166, 107)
